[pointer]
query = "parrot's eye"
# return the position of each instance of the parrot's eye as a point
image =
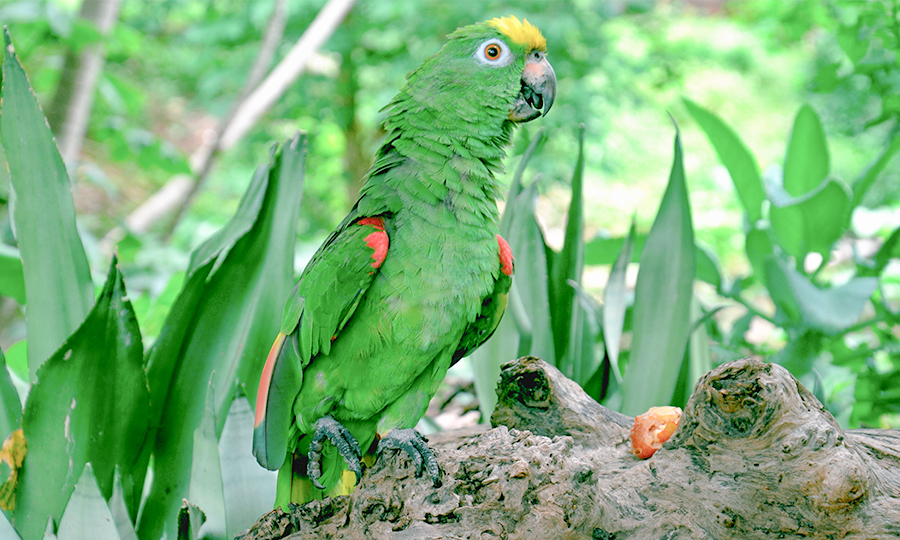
(494, 53)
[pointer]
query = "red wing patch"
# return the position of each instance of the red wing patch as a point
(507, 264)
(378, 241)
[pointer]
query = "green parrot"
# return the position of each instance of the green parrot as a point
(412, 280)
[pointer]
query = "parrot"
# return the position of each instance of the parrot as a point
(412, 280)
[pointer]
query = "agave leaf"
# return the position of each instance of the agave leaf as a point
(615, 303)
(220, 327)
(249, 488)
(10, 406)
(736, 157)
(57, 277)
(87, 514)
(568, 265)
(662, 299)
(89, 405)
(12, 274)
(206, 488)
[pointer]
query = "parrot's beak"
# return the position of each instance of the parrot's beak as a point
(538, 89)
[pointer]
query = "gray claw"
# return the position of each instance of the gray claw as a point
(416, 447)
(346, 444)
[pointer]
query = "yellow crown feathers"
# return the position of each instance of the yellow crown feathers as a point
(521, 32)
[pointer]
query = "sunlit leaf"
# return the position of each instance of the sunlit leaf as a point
(6, 529)
(221, 326)
(10, 406)
(734, 154)
(249, 488)
(662, 299)
(813, 224)
(806, 164)
(863, 183)
(12, 275)
(833, 309)
(57, 277)
(90, 404)
(615, 303)
(568, 265)
(87, 514)
(206, 472)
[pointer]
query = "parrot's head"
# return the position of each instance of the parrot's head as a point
(496, 69)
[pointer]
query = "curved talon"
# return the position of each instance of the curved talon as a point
(416, 447)
(346, 444)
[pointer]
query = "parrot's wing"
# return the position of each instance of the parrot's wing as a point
(328, 293)
(492, 306)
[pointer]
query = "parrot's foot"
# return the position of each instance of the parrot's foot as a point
(342, 439)
(416, 447)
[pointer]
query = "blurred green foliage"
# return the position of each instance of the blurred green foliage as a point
(795, 261)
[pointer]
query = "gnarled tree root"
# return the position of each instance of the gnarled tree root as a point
(755, 456)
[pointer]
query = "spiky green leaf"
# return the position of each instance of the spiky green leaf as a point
(662, 299)
(57, 277)
(221, 326)
(90, 404)
(736, 157)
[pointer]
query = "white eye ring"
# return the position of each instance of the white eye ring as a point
(493, 53)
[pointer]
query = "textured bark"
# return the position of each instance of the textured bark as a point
(756, 456)
(71, 108)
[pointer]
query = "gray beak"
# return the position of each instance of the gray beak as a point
(538, 89)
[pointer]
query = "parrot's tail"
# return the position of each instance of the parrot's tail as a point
(294, 486)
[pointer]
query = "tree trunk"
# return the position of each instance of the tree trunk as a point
(71, 108)
(755, 456)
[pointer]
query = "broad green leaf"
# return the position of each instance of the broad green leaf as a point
(833, 309)
(699, 352)
(584, 335)
(601, 250)
(606, 251)
(118, 507)
(10, 406)
(615, 303)
(12, 275)
(734, 154)
(889, 250)
(849, 39)
(780, 290)
(708, 267)
(662, 299)
(221, 327)
(57, 277)
(6, 530)
(17, 359)
(249, 488)
(87, 514)
(806, 164)
(758, 246)
(568, 266)
(206, 472)
(813, 224)
(864, 182)
(90, 404)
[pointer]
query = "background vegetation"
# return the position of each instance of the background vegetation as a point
(771, 228)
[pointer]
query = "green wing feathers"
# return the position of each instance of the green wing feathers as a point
(328, 293)
(492, 307)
